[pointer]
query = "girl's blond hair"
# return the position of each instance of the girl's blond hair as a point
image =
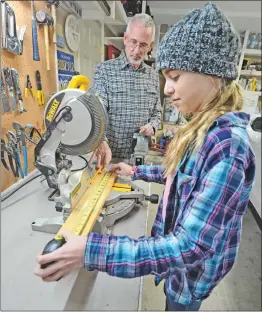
(227, 99)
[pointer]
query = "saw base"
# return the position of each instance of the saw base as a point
(118, 210)
(53, 225)
(107, 219)
(48, 225)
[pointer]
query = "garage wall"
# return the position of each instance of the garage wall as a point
(60, 30)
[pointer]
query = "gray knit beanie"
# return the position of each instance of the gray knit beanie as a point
(204, 41)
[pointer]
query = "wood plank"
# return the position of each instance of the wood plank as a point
(82, 208)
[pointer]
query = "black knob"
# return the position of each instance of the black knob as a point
(59, 207)
(152, 198)
(51, 246)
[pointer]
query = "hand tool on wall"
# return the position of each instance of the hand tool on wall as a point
(21, 138)
(12, 157)
(10, 40)
(10, 88)
(21, 34)
(40, 92)
(16, 83)
(46, 20)
(13, 142)
(4, 98)
(29, 87)
(53, 4)
(3, 150)
(36, 56)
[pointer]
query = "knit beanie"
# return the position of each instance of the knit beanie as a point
(204, 41)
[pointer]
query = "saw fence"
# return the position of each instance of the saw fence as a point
(25, 65)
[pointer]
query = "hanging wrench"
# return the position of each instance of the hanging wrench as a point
(21, 137)
(10, 148)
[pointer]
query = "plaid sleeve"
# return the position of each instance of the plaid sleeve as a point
(212, 208)
(155, 118)
(99, 84)
(150, 174)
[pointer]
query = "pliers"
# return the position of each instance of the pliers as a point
(21, 139)
(40, 92)
(9, 148)
(3, 150)
(29, 87)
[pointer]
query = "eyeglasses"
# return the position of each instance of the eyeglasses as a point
(142, 46)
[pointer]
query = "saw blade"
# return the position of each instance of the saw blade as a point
(89, 120)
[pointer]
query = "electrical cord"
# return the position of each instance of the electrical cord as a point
(11, 193)
(86, 164)
(14, 191)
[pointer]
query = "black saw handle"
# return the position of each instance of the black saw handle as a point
(51, 246)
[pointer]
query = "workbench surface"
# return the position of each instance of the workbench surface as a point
(82, 290)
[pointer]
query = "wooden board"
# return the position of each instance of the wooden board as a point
(26, 66)
(84, 207)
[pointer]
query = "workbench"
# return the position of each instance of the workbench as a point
(82, 290)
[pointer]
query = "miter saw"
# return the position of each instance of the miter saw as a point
(76, 122)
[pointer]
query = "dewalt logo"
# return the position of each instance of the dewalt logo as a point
(51, 113)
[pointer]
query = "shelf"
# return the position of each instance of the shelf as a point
(252, 52)
(250, 72)
(115, 41)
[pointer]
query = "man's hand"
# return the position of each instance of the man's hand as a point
(102, 154)
(147, 130)
(122, 169)
(67, 258)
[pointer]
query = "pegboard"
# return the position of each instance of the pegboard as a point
(26, 66)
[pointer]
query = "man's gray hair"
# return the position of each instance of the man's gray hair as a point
(145, 20)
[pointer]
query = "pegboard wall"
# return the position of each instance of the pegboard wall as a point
(26, 66)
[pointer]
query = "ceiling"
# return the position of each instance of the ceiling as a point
(245, 15)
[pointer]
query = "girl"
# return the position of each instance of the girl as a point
(208, 174)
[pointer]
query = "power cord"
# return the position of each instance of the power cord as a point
(14, 191)
(31, 179)
(85, 166)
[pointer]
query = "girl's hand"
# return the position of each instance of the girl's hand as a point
(66, 258)
(122, 169)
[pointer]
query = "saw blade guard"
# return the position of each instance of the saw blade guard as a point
(87, 127)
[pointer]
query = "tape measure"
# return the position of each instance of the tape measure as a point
(91, 207)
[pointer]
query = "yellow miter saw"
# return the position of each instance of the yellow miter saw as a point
(76, 123)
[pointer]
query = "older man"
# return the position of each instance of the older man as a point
(130, 90)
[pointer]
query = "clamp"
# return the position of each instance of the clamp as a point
(21, 139)
(29, 87)
(40, 92)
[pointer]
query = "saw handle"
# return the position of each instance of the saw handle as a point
(51, 246)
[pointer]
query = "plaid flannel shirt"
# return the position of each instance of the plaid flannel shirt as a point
(132, 98)
(197, 243)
